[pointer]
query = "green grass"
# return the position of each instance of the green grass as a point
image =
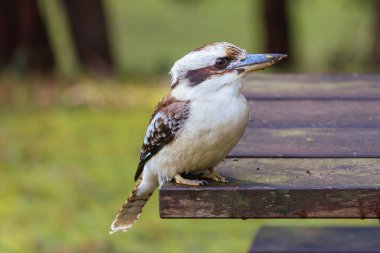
(325, 36)
(332, 36)
(67, 161)
(148, 36)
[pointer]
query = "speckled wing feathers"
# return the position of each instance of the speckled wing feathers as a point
(167, 119)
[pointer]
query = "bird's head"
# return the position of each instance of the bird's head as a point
(215, 66)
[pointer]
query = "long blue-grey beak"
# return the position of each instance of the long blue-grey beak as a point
(253, 62)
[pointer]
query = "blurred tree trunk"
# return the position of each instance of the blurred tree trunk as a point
(276, 27)
(55, 19)
(23, 40)
(88, 25)
(376, 46)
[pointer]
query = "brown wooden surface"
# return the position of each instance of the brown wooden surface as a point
(281, 188)
(317, 240)
(309, 142)
(314, 113)
(312, 149)
(322, 87)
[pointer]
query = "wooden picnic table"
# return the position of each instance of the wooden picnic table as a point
(312, 150)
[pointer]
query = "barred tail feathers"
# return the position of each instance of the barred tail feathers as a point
(132, 208)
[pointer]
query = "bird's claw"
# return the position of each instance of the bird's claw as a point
(212, 175)
(202, 182)
(222, 179)
(180, 180)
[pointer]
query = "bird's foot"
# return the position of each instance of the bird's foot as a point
(180, 180)
(212, 175)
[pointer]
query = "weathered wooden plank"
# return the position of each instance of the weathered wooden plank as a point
(285, 114)
(309, 142)
(317, 240)
(323, 87)
(281, 188)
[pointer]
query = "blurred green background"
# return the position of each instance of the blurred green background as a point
(79, 79)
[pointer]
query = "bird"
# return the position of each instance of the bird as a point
(195, 126)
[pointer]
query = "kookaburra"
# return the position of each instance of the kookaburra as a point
(194, 127)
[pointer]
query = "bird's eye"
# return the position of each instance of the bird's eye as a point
(222, 62)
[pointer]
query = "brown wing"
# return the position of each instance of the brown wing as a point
(167, 119)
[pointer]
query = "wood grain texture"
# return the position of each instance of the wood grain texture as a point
(309, 142)
(317, 240)
(311, 113)
(319, 87)
(281, 188)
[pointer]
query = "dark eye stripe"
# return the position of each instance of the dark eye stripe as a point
(197, 76)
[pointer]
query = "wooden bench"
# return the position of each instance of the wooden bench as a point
(317, 240)
(312, 150)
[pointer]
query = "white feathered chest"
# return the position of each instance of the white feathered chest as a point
(215, 125)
